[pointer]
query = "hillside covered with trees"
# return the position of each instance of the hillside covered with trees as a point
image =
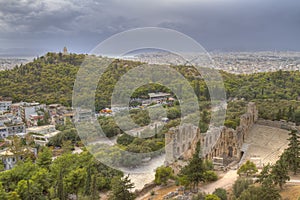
(50, 79)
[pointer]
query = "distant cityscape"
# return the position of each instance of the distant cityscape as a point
(11, 62)
(235, 62)
(232, 62)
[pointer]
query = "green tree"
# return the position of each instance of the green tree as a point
(195, 169)
(297, 117)
(3, 194)
(121, 189)
(44, 159)
(75, 180)
(183, 180)
(293, 151)
(211, 197)
(249, 168)
(42, 180)
(267, 189)
(197, 89)
(199, 196)
(210, 176)
(22, 171)
(59, 169)
(240, 185)
(88, 181)
(264, 175)
(94, 192)
(221, 193)
(13, 196)
(163, 174)
(173, 113)
(252, 193)
(28, 190)
(125, 139)
(259, 193)
(280, 173)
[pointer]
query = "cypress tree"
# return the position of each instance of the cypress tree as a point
(293, 151)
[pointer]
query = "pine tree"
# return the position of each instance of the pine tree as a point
(44, 158)
(94, 192)
(194, 171)
(293, 151)
(3, 194)
(88, 181)
(13, 196)
(280, 173)
(121, 189)
(75, 180)
(267, 188)
(60, 187)
(265, 175)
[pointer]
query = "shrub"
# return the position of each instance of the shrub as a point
(212, 197)
(249, 168)
(210, 176)
(240, 185)
(221, 193)
(163, 174)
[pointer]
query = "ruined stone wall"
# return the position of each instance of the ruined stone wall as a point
(216, 142)
(227, 142)
(181, 142)
(277, 124)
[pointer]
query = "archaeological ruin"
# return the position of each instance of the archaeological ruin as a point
(219, 143)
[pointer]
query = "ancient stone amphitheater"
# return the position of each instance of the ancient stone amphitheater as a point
(258, 140)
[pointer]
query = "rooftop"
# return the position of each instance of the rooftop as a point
(160, 94)
(40, 128)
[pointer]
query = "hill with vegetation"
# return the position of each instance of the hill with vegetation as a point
(50, 79)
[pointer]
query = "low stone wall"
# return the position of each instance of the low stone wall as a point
(277, 124)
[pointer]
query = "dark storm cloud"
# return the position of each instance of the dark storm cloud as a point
(217, 24)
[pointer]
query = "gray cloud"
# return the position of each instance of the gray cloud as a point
(217, 24)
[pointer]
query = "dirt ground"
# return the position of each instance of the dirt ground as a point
(160, 192)
(291, 192)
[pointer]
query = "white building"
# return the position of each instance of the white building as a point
(42, 134)
(11, 125)
(5, 105)
(3, 132)
(9, 159)
(28, 109)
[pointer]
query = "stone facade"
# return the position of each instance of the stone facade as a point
(222, 142)
(181, 142)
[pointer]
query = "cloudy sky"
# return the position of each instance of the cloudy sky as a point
(38, 26)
